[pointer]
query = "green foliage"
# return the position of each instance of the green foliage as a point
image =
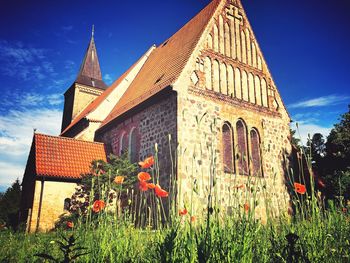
(331, 160)
(106, 172)
(71, 252)
(100, 185)
(10, 205)
(338, 142)
(325, 240)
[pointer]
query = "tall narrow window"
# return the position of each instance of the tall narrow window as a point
(227, 148)
(242, 156)
(133, 146)
(255, 153)
(123, 144)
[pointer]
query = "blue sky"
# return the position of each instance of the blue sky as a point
(42, 43)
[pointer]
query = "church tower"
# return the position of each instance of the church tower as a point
(87, 86)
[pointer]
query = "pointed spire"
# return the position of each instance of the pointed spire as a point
(90, 71)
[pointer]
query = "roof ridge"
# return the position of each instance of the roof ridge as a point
(66, 138)
(98, 100)
(166, 63)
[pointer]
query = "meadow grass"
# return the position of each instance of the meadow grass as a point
(321, 238)
(146, 233)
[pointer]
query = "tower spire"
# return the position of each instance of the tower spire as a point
(90, 71)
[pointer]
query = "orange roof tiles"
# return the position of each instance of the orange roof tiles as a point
(65, 157)
(165, 63)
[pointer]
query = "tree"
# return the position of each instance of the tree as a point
(335, 167)
(316, 148)
(294, 140)
(10, 205)
(338, 142)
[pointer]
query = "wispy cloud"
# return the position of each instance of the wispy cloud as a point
(23, 100)
(330, 100)
(67, 28)
(25, 62)
(16, 133)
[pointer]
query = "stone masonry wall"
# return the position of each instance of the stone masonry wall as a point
(200, 157)
(153, 125)
(226, 80)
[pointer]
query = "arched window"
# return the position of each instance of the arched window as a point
(255, 153)
(66, 205)
(133, 146)
(123, 144)
(242, 156)
(227, 148)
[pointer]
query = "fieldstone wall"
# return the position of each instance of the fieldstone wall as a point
(201, 162)
(152, 125)
(227, 80)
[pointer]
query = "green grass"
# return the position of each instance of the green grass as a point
(312, 234)
(322, 238)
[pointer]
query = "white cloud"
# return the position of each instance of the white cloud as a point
(16, 133)
(10, 172)
(320, 102)
(108, 79)
(22, 100)
(25, 62)
(55, 99)
(305, 129)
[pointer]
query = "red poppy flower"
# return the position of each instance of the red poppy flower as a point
(160, 192)
(70, 224)
(246, 207)
(143, 186)
(183, 212)
(151, 186)
(193, 218)
(98, 206)
(300, 188)
(144, 176)
(147, 163)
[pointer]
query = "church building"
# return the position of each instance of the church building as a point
(205, 97)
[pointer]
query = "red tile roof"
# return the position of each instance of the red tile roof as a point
(62, 157)
(165, 63)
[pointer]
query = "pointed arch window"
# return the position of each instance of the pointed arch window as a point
(255, 153)
(123, 144)
(133, 154)
(242, 155)
(227, 148)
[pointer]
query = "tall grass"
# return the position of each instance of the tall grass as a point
(153, 231)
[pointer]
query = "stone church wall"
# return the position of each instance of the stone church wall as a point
(152, 125)
(227, 81)
(201, 161)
